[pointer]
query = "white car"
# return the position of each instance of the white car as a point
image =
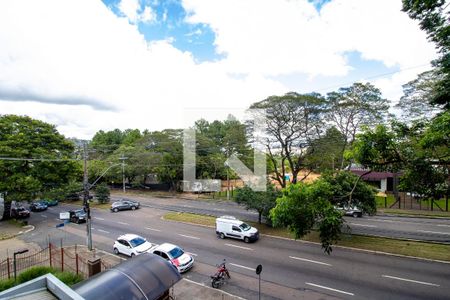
(351, 211)
(181, 260)
(131, 245)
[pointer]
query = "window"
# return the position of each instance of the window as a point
(137, 241)
(163, 255)
(176, 252)
(235, 228)
(245, 227)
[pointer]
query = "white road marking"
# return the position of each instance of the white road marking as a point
(189, 236)
(58, 219)
(363, 225)
(243, 267)
(123, 223)
(152, 229)
(443, 225)
(328, 288)
(104, 231)
(44, 216)
(436, 232)
(240, 247)
(410, 280)
(97, 218)
(192, 254)
(309, 260)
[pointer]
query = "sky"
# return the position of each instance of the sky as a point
(88, 65)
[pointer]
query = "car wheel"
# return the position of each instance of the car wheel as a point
(222, 236)
(116, 251)
(246, 239)
(115, 210)
(355, 215)
(133, 208)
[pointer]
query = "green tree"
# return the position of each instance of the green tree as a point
(293, 121)
(305, 206)
(102, 193)
(352, 108)
(324, 153)
(36, 158)
(262, 202)
(433, 19)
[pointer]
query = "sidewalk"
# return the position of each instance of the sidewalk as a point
(10, 243)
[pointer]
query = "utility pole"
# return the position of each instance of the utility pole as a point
(122, 158)
(86, 199)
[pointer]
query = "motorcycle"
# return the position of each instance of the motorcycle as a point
(222, 274)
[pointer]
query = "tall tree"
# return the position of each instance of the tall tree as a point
(262, 202)
(35, 158)
(417, 96)
(293, 121)
(351, 108)
(434, 19)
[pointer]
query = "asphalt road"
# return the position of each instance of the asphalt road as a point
(291, 269)
(423, 229)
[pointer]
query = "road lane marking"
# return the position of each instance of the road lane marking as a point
(443, 225)
(44, 216)
(363, 225)
(97, 218)
(436, 232)
(311, 261)
(328, 288)
(192, 254)
(152, 229)
(189, 236)
(243, 267)
(410, 280)
(123, 223)
(104, 231)
(240, 247)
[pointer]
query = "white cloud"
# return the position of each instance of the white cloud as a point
(147, 15)
(78, 65)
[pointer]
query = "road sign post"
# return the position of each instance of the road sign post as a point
(258, 272)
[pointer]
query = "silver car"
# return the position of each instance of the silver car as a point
(353, 211)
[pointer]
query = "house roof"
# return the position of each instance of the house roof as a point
(373, 175)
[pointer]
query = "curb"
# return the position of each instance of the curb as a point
(413, 216)
(30, 228)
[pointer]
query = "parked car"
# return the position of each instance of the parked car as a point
(38, 206)
(181, 260)
(124, 205)
(20, 212)
(77, 216)
(353, 211)
(50, 202)
(131, 245)
(228, 226)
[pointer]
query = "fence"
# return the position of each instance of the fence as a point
(72, 258)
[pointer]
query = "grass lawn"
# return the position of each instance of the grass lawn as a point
(395, 246)
(424, 213)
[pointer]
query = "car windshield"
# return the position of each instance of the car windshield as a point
(137, 241)
(245, 226)
(79, 213)
(176, 252)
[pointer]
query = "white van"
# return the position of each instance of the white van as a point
(228, 226)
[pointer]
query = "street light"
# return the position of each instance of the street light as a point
(15, 265)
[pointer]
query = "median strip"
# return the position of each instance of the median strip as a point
(189, 236)
(410, 280)
(309, 260)
(243, 267)
(240, 247)
(328, 288)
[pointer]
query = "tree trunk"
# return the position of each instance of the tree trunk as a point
(259, 217)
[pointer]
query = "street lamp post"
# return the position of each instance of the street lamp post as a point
(14, 261)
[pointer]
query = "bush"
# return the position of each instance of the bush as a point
(102, 193)
(33, 273)
(69, 278)
(6, 284)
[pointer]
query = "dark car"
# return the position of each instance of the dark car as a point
(38, 206)
(20, 212)
(77, 216)
(50, 202)
(124, 205)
